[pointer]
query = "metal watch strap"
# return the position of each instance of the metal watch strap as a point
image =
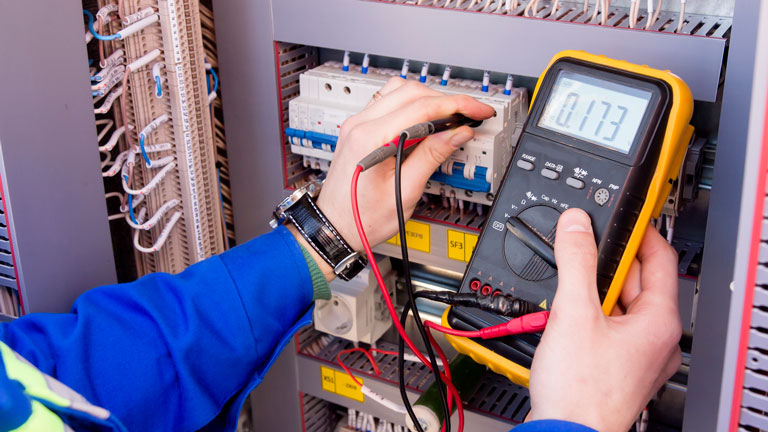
(324, 238)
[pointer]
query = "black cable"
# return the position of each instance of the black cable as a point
(401, 370)
(504, 305)
(409, 287)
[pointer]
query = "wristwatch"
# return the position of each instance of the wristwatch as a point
(299, 208)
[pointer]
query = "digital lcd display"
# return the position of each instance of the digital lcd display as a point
(595, 110)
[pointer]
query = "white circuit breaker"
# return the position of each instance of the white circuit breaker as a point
(328, 96)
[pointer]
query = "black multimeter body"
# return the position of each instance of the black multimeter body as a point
(549, 173)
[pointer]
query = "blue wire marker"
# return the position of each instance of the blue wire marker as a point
(143, 151)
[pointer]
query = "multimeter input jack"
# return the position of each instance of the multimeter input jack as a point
(475, 285)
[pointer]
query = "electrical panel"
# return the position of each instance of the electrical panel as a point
(318, 88)
(158, 117)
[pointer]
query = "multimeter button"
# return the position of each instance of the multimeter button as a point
(574, 183)
(524, 164)
(550, 174)
(602, 196)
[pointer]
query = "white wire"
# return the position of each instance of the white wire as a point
(152, 183)
(112, 139)
(139, 199)
(119, 196)
(107, 105)
(149, 224)
(555, 5)
(107, 123)
(652, 15)
(115, 168)
(532, 5)
(163, 235)
(107, 160)
(681, 20)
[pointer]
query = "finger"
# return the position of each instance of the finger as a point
(423, 109)
(576, 257)
(396, 93)
(391, 85)
(618, 310)
(632, 285)
(428, 156)
(658, 275)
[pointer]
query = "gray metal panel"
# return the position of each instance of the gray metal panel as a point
(246, 57)
(373, 27)
(275, 402)
(49, 160)
(712, 373)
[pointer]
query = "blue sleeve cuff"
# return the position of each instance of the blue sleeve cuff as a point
(552, 426)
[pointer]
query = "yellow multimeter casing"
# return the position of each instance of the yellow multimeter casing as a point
(629, 125)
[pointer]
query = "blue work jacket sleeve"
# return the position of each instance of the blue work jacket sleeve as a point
(176, 352)
(552, 426)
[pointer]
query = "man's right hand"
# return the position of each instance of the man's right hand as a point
(596, 370)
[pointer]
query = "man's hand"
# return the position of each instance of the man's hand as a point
(596, 370)
(404, 103)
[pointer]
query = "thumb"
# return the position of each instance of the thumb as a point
(429, 155)
(576, 256)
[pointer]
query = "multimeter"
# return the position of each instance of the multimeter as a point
(603, 135)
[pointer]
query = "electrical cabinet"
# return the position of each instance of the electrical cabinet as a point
(283, 67)
(492, 36)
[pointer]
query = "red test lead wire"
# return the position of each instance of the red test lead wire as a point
(531, 323)
(388, 299)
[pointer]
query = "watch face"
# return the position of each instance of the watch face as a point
(312, 188)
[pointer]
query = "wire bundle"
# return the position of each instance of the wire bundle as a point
(110, 83)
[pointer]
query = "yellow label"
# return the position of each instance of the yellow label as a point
(328, 376)
(418, 236)
(456, 245)
(543, 304)
(470, 240)
(347, 387)
(340, 383)
(460, 245)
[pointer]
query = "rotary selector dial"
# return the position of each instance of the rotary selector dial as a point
(528, 243)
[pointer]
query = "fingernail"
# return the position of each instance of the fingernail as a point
(576, 220)
(459, 138)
